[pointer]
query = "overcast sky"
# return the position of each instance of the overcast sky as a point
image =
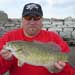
(51, 8)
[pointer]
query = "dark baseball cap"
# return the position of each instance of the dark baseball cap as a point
(32, 9)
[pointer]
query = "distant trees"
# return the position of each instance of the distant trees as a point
(3, 17)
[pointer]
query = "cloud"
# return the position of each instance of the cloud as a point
(60, 8)
(6, 2)
(51, 8)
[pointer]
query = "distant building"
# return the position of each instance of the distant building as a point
(46, 22)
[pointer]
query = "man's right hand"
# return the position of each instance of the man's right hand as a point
(6, 54)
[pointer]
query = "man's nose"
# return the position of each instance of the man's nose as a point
(32, 21)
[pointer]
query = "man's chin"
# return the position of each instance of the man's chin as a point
(32, 34)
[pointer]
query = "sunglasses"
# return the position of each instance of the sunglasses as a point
(35, 18)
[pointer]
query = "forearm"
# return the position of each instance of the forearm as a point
(5, 65)
(68, 70)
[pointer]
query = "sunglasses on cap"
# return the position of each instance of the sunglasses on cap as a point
(35, 18)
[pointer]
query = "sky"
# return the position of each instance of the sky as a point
(51, 8)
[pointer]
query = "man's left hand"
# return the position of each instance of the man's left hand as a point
(60, 66)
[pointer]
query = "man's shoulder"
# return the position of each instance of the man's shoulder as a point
(49, 32)
(13, 32)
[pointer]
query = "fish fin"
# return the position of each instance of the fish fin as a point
(20, 63)
(54, 47)
(51, 45)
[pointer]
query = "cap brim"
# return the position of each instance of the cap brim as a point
(32, 14)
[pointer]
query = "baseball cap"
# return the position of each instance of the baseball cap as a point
(32, 9)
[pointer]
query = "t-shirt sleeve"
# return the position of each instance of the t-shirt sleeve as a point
(59, 40)
(4, 64)
(68, 70)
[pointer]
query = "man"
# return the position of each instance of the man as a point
(31, 31)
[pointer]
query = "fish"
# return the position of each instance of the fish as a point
(37, 53)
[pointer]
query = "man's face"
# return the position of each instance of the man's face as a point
(31, 25)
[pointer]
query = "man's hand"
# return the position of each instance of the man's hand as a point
(60, 66)
(6, 54)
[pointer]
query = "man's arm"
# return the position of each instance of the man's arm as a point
(63, 69)
(68, 70)
(5, 65)
(6, 58)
